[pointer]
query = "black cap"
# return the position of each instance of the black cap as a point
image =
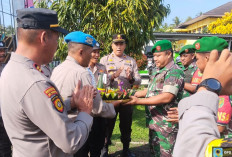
(2, 45)
(38, 18)
(97, 46)
(119, 38)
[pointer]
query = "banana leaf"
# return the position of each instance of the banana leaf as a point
(126, 96)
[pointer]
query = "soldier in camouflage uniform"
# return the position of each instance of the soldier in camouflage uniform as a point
(203, 47)
(164, 91)
(187, 58)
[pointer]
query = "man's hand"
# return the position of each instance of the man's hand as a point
(173, 115)
(129, 74)
(141, 93)
(116, 103)
(133, 101)
(118, 72)
(83, 98)
(220, 69)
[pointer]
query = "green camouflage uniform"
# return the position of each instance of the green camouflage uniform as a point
(188, 72)
(162, 134)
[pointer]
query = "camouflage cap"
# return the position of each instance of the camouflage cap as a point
(207, 44)
(161, 46)
(187, 49)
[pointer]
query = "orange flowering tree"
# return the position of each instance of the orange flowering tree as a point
(222, 25)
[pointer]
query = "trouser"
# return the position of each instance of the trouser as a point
(5, 144)
(161, 143)
(125, 118)
(96, 139)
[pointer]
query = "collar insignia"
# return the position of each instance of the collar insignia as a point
(37, 67)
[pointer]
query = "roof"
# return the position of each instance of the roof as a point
(217, 12)
(186, 36)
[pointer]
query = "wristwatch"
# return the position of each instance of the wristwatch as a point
(211, 84)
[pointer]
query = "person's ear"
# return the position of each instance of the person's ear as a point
(207, 57)
(193, 55)
(81, 52)
(169, 54)
(43, 37)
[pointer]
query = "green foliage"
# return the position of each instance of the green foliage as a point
(103, 18)
(165, 28)
(176, 21)
(62, 50)
(188, 18)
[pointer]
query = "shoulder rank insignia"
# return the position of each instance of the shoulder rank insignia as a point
(110, 60)
(37, 67)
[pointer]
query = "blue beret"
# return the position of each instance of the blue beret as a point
(81, 38)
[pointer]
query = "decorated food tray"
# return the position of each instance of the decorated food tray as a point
(115, 94)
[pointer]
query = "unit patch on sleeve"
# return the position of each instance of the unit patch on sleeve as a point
(53, 94)
(58, 104)
(50, 91)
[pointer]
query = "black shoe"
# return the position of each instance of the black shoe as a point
(104, 152)
(127, 153)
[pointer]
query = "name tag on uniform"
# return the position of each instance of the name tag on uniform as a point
(128, 64)
(111, 67)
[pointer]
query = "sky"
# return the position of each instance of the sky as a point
(185, 8)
